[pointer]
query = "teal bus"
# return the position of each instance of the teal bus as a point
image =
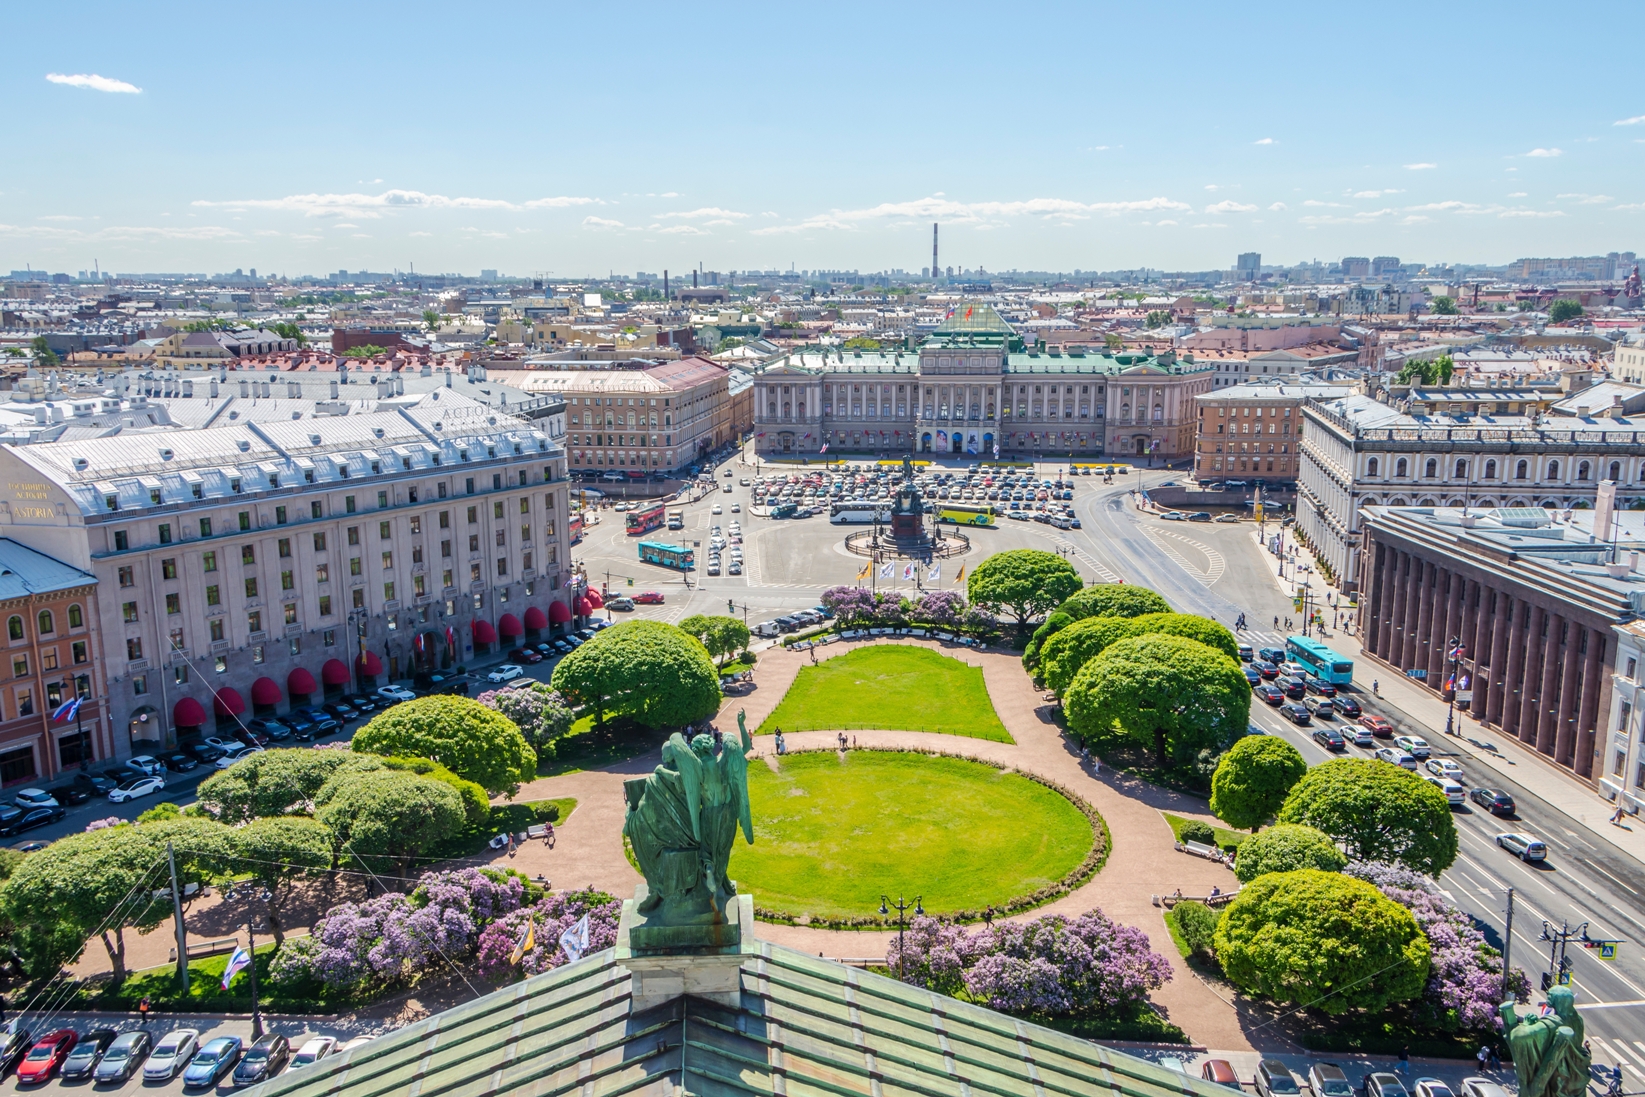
(668, 556)
(1320, 660)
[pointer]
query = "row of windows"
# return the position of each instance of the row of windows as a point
(1521, 469)
(48, 658)
(45, 623)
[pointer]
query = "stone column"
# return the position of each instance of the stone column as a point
(1570, 693)
(1411, 637)
(1529, 675)
(1547, 701)
(1593, 692)
(1447, 624)
(1371, 619)
(1390, 599)
(1502, 625)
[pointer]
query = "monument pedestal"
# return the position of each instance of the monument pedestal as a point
(702, 959)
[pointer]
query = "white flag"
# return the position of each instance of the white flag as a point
(908, 572)
(934, 574)
(886, 570)
(575, 940)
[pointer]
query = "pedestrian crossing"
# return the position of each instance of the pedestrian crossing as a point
(1622, 1054)
(1089, 561)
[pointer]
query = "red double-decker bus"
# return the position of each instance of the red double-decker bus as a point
(647, 519)
(575, 527)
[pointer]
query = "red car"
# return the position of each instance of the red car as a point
(649, 598)
(46, 1056)
(1379, 725)
(525, 655)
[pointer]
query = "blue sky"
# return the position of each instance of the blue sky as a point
(579, 139)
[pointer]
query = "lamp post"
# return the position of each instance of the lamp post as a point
(1559, 965)
(902, 921)
(245, 891)
(1453, 655)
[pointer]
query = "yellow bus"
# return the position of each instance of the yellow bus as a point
(965, 514)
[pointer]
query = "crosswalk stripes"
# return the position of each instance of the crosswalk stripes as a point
(1106, 575)
(1613, 1056)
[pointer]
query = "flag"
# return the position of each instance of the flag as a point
(67, 709)
(824, 448)
(866, 568)
(236, 964)
(451, 637)
(527, 941)
(1456, 652)
(959, 575)
(908, 572)
(575, 940)
(996, 450)
(885, 569)
(968, 312)
(934, 573)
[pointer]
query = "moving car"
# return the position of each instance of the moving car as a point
(1252, 676)
(313, 1051)
(171, 1055)
(621, 602)
(88, 1052)
(1379, 725)
(212, 1061)
(1318, 686)
(137, 786)
(1396, 756)
(1443, 767)
(1174, 516)
(650, 597)
(1330, 738)
(1414, 745)
(1493, 800)
(1266, 669)
(1323, 708)
(1524, 846)
(1297, 714)
(395, 694)
(1361, 736)
(1270, 693)
(1200, 516)
(1348, 706)
(1328, 1080)
(1273, 1079)
(505, 673)
(123, 1056)
(1454, 794)
(264, 1059)
(46, 1056)
(1271, 655)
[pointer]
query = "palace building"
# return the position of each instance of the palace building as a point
(975, 388)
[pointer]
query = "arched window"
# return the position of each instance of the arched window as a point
(77, 619)
(1371, 467)
(1397, 501)
(14, 628)
(1431, 469)
(1462, 470)
(1521, 470)
(44, 623)
(1490, 470)
(1582, 470)
(1553, 470)
(1426, 503)
(1616, 470)
(1400, 468)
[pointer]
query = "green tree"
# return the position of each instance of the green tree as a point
(722, 636)
(1022, 583)
(1287, 848)
(1563, 310)
(279, 852)
(476, 804)
(1067, 651)
(275, 782)
(1208, 632)
(1197, 926)
(431, 320)
(1098, 600)
(1112, 341)
(1324, 940)
(390, 814)
(1253, 779)
(468, 738)
(658, 674)
(1445, 306)
(286, 330)
(1173, 694)
(861, 342)
(365, 350)
(1158, 318)
(1378, 812)
(43, 354)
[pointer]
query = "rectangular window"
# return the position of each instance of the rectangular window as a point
(48, 659)
(179, 674)
(388, 592)
(127, 579)
(285, 547)
(322, 573)
(319, 542)
(20, 666)
(294, 646)
(174, 603)
(354, 535)
(217, 628)
(418, 585)
(445, 548)
(257, 655)
(208, 561)
(251, 586)
(447, 579)
(205, 527)
(168, 569)
(501, 538)
(354, 565)
(25, 697)
(288, 581)
(325, 605)
(120, 541)
(474, 542)
(502, 565)
(328, 638)
(441, 486)
(382, 500)
(77, 651)
(348, 504)
(134, 648)
(291, 613)
(359, 598)
(385, 530)
(254, 622)
(388, 561)
(248, 554)
(416, 523)
(525, 562)
(416, 554)
(279, 516)
(525, 504)
(165, 533)
(139, 684)
(220, 663)
(314, 510)
(214, 595)
(129, 612)
(497, 509)
(473, 515)
(474, 573)
(245, 519)
(445, 519)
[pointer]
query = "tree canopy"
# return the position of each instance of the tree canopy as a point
(1022, 583)
(277, 851)
(275, 782)
(1287, 848)
(1098, 600)
(722, 636)
(1378, 812)
(1563, 310)
(1322, 939)
(1066, 652)
(1168, 692)
(391, 814)
(540, 713)
(468, 738)
(1444, 306)
(1253, 778)
(656, 673)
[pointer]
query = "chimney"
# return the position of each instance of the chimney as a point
(334, 390)
(693, 279)
(1604, 508)
(665, 283)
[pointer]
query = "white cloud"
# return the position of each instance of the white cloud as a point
(939, 208)
(684, 230)
(1546, 153)
(59, 217)
(421, 234)
(602, 223)
(1331, 205)
(1420, 167)
(1377, 193)
(1228, 205)
(1362, 217)
(93, 82)
(1279, 206)
(375, 205)
(1588, 199)
(1518, 194)
(1634, 121)
(1162, 224)
(706, 211)
(1531, 213)
(1263, 141)
(1098, 148)
(1213, 186)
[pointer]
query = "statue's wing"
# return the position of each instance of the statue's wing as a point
(679, 753)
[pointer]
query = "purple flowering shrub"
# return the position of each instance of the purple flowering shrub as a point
(555, 914)
(1049, 966)
(942, 608)
(850, 605)
(1464, 973)
(857, 607)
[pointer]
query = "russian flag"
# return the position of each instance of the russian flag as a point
(66, 710)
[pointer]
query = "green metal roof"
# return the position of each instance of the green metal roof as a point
(971, 318)
(805, 1027)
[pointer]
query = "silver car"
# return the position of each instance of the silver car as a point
(171, 1055)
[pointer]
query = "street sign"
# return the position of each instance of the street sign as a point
(1607, 950)
(1419, 673)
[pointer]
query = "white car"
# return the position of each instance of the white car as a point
(240, 753)
(395, 693)
(224, 744)
(146, 764)
(1443, 767)
(313, 1051)
(505, 673)
(1454, 795)
(35, 798)
(1398, 757)
(137, 786)
(1482, 1087)
(1526, 847)
(717, 509)
(1414, 745)
(171, 1055)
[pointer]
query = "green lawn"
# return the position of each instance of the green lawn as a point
(588, 747)
(205, 992)
(831, 836)
(889, 687)
(1226, 839)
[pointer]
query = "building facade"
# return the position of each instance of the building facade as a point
(260, 564)
(971, 389)
(1252, 432)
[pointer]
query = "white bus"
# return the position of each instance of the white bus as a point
(843, 513)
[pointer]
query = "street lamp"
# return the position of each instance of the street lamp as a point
(1453, 655)
(247, 891)
(902, 921)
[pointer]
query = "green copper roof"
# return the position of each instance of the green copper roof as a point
(805, 1027)
(971, 318)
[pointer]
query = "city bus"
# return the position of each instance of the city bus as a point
(1320, 660)
(574, 527)
(646, 519)
(844, 513)
(966, 514)
(666, 555)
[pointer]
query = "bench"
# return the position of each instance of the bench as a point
(1200, 849)
(537, 830)
(208, 948)
(1221, 899)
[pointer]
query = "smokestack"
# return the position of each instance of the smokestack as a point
(693, 279)
(934, 267)
(665, 283)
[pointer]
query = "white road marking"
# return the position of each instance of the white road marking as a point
(1107, 575)
(1216, 564)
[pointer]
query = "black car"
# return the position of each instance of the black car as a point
(1493, 800)
(205, 752)
(263, 1060)
(1347, 706)
(1330, 738)
(123, 1057)
(69, 794)
(1268, 670)
(547, 651)
(361, 702)
(324, 723)
(18, 1041)
(180, 763)
(1319, 687)
(1271, 655)
(340, 710)
(1297, 714)
(88, 1052)
(1294, 688)
(16, 820)
(448, 683)
(270, 730)
(1270, 693)
(95, 784)
(1252, 676)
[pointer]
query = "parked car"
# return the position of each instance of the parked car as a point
(1524, 846)
(448, 683)
(321, 722)
(1297, 714)
(1432, 1087)
(243, 753)
(123, 1057)
(224, 745)
(95, 784)
(341, 710)
(363, 703)
(1270, 693)
(269, 729)
(505, 673)
(34, 798)
(1379, 725)
(88, 1052)
(526, 655)
(1396, 756)
(1174, 516)
(16, 820)
(181, 763)
(1330, 738)
(1414, 745)
(16, 1045)
(1200, 516)
(1348, 706)
(301, 724)
(1482, 1087)
(137, 786)
(211, 1062)
(145, 764)
(313, 1050)
(1220, 1071)
(1494, 800)
(1380, 1083)
(1454, 794)
(46, 1056)
(393, 695)
(1328, 1080)
(1273, 1079)
(171, 1055)
(263, 1060)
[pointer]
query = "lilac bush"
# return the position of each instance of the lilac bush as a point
(942, 608)
(935, 954)
(541, 714)
(554, 915)
(850, 605)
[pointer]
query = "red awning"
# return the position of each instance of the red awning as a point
(558, 612)
(484, 633)
(596, 599)
(509, 625)
(369, 663)
(584, 607)
(534, 618)
(334, 673)
(264, 691)
(188, 713)
(300, 681)
(228, 702)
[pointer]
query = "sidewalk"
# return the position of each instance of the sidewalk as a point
(1487, 746)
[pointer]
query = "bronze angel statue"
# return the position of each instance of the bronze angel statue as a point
(681, 820)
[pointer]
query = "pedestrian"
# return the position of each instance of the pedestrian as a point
(548, 835)
(143, 1007)
(1276, 622)
(1496, 1058)
(853, 742)
(1484, 1056)
(1376, 687)
(1616, 816)
(1405, 1060)
(988, 916)
(511, 843)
